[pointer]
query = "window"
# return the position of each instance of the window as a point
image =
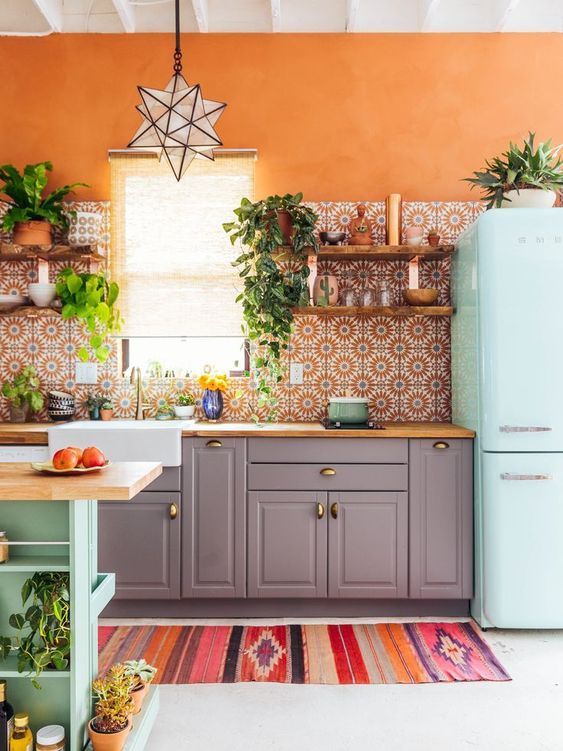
(173, 260)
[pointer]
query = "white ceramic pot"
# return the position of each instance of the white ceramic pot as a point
(42, 295)
(529, 198)
(184, 412)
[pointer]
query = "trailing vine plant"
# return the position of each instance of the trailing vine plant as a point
(273, 284)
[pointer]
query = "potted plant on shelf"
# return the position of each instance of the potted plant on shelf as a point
(213, 385)
(93, 404)
(23, 394)
(91, 299)
(272, 289)
(31, 215)
(143, 673)
(185, 405)
(433, 238)
(114, 705)
(106, 410)
(521, 177)
(42, 638)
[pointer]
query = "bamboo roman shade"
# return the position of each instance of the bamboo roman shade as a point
(169, 252)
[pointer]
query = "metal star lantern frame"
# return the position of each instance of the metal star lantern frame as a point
(177, 121)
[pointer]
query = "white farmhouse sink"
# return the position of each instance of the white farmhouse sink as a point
(125, 440)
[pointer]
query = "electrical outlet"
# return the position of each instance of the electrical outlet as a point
(86, 372)
(296, 373)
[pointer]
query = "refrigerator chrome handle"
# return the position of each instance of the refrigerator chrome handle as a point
(510, 476)
(524, 429)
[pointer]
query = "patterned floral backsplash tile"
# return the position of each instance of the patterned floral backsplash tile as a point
(401, 365)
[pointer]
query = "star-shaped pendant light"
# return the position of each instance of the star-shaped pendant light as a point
(177, 121)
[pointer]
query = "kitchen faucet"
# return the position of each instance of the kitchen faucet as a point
(137, 380)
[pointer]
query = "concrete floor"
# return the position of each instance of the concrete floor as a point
(521, 715)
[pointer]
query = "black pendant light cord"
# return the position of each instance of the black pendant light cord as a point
(177, 51)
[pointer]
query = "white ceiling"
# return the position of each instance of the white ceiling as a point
(23, 17)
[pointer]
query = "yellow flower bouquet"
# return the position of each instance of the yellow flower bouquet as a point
(213, 381)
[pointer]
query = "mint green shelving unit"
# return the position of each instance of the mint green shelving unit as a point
(61, 536)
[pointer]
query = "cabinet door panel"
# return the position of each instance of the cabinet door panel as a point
(368, 544)
(214, 521)
(287, 544)
(441, 519)
(140, 542)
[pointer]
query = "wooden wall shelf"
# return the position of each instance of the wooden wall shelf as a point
(378, 252)
(56, 253)
(375, 310)
(30, 311)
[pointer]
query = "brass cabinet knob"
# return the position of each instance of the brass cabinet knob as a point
(320, 510)
(334, 510)
(441, 445)
(214, 444)
(173, 511)
(328, 471)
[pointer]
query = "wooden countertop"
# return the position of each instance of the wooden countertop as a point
(35, 434)
(120, 482)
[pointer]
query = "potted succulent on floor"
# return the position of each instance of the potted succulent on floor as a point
(143, 673)
(106, 409)
(521, 177)
(93, 404)
(185, 406)
(213, 385)
(114, 705)
(23, 394)
(31, 215)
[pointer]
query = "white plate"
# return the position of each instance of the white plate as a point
(48, 467)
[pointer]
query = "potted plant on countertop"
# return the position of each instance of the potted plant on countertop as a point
(144, 674)
(106, 409)
(23, 394)
(93, 404)
(31, 215)
(42, 638)
(271, 289)
(521, 177)
(114, 705)
(185, 405)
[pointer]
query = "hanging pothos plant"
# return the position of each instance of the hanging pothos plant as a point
(272, 289)
(91, 298)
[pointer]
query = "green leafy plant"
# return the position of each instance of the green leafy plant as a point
(91, 298)
(94, 401)
(107, 404)
(27, 200)
(271, 289)
(140, 670)
(519, 169)
(24, 389)
(113, 702)
(185, 400)
(42, 638)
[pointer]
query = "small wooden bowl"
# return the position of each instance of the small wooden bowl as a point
(421, 296)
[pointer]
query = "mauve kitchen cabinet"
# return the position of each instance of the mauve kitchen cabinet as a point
(214, 517)
(441, 519)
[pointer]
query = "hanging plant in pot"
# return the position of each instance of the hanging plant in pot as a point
(521, 177)
(114, 705)
(271, 289)
(31, 215)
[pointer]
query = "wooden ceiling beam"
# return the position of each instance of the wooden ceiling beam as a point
(52, 11)
(504, 11)
(428, 10)
(352, 13)
(126, 14)
(275, 11)
(201, 12)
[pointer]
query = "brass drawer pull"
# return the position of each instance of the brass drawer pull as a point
(320, 510)
(328, 471)
(173, 511)
(214, 444)
(441, 445)
(334, 510)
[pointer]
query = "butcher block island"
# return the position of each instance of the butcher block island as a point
(51, 522)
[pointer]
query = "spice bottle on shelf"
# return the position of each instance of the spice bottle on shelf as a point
(22, 737)
(384, 296)
(50, 738)
(4, 550)
(6, 718)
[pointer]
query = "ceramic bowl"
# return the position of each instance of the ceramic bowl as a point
(421, 296)
(42, 294)
(332, 238)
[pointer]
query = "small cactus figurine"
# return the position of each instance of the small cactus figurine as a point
(325, 291)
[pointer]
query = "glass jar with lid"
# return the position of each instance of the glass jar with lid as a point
(348, 295)
(50, 738)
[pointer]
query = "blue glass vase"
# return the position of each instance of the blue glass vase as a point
(212, 404)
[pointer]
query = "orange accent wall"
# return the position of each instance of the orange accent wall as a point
(340, 117)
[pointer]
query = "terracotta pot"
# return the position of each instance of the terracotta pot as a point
(433, 240)
(138, 695)
(33, 233)
(108, 741)
(325, 283)
(286, 225)
(106, 414)
(361, 238)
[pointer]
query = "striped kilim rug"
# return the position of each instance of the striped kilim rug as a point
(332, 654)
